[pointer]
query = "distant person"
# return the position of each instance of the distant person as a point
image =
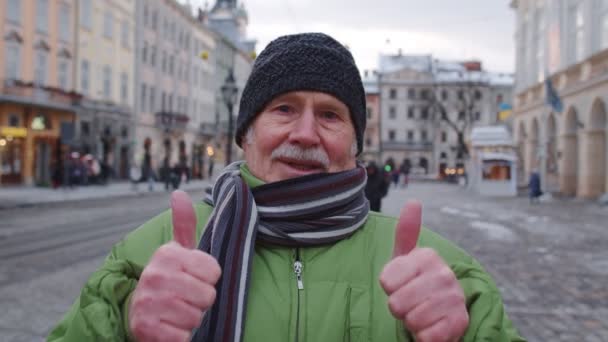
(534, 187)
(405, 171)
(376, 187)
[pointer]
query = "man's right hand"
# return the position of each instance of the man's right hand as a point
(178, 284)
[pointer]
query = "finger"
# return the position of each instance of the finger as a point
(408, 228)
(404, 269)
(438, 332)
(168, 332)
(428, 313)
(184, 219)
(180, 314)
(192, 290)
(202, 266)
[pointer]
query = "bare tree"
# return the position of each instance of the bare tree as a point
(468, 95)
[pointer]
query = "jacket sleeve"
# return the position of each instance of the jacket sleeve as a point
(99, 313)
(488, 320)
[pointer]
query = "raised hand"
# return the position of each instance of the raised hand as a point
(423, 291)
(178, 284)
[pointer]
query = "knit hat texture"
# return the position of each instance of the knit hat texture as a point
(308, 61)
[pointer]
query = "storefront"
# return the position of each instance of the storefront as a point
(30, 137)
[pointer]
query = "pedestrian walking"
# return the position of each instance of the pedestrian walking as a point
(534, 187)
(376, 187)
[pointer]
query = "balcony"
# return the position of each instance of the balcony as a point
(171, 121)
(19, 91)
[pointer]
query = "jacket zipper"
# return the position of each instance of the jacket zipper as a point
(297, 269)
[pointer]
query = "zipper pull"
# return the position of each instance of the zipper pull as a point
(297, 268)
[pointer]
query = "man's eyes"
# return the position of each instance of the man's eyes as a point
(330, 116)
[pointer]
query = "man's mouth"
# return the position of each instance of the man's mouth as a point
(303, 165)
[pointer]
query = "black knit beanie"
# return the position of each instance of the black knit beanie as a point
(308, 61)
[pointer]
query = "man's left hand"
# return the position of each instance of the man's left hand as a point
(423, 291)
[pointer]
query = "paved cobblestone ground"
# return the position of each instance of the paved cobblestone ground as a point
(550, 260)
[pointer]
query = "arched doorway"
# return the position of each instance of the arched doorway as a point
(552, 155)
(521, 153)
(595, 178)
(569, 165)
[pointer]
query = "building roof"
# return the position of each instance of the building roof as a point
(444, 71)
(491, 136)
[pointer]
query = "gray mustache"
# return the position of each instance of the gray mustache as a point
(291, 151)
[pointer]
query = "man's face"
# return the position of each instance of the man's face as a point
(300, 133)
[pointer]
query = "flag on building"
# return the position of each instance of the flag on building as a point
(504, 111)
(552, 97)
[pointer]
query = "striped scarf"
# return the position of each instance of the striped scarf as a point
(305, 211)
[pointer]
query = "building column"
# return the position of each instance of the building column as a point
(593, 164)
(569, 165)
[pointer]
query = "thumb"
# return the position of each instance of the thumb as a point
(184, 219)
(408, 228)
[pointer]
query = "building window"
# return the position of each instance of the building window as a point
(477, 116)
(152, 55)
(410, 112)
(171, 64)
(13, 59)
(163, 101)
(411, 94)
(478, 95)
(63, 74)
(108, 23)
(124, 87)
(391, 135)
(13, 120)
(461, 115)
(40, 68)
(604, 24)
(424, 94)
(144, 52)
(393, 93)
(444, 136)
(369, 113)
(424, 113)
(84, 76)
(107, 82)
(392, 112)
(368, 142)
(410, 136)
(86, 11)
(164, 62)
(146, 15)
(13, 11)
(576, 33)
(144, 97)
(170, 102)
(540, 44)
(423, 136)
(42, 16)
(155, 20)
(84, 128)
(125, 34)
(444, 95)
(461, 95)
(64, 22)
(443, 155)
(152, 99)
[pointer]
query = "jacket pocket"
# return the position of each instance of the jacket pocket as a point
(358, 314)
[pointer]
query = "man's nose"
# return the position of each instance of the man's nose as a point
(305, 131)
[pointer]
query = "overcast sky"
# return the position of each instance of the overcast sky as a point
(448, 29)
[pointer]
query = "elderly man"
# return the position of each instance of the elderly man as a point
(289, 250)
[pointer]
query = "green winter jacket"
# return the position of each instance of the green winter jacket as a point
(341, 299)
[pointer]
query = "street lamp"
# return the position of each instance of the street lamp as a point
(229, 93)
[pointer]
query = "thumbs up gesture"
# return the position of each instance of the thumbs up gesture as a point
(178, 284)
(423, 291)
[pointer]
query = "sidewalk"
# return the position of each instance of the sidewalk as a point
(20, 196)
